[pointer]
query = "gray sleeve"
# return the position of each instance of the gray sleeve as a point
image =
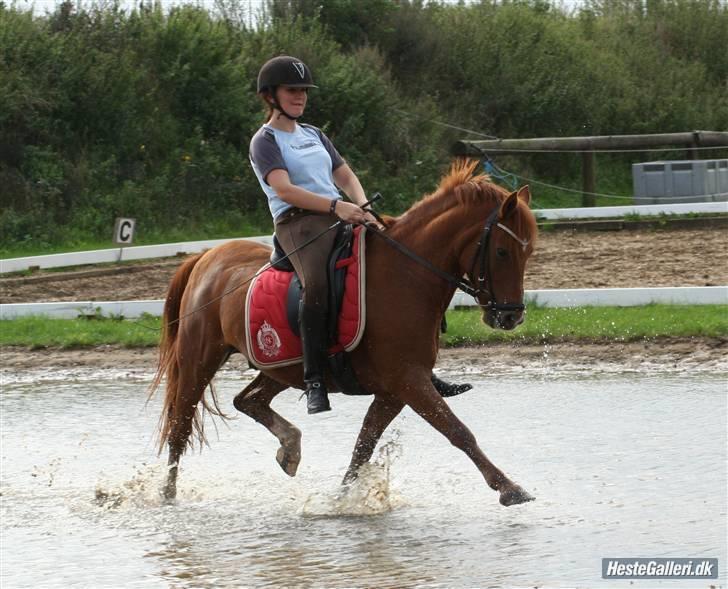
(265, 154)
(336, 159)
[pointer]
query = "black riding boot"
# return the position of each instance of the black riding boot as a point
(448, 389)
(313, 340)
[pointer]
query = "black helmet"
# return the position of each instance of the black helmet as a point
(284, 71)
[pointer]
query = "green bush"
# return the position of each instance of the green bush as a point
(146, 113)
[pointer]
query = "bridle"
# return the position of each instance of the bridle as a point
(481, 261)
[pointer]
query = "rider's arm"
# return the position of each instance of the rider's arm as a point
(346, 179)
(305, 199)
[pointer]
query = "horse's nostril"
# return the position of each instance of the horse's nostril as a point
(509, 320)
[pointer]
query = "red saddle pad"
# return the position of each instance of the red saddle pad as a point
(271, 342)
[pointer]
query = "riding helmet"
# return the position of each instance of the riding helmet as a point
(284, 70)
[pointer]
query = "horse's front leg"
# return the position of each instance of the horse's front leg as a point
(424, 399)
(380, 414)
(254, 400)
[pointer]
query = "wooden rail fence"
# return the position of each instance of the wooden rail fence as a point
(589, 146)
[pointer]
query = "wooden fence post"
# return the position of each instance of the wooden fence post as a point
(588, 179)
(694, 154)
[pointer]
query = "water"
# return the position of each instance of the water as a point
(626, 465)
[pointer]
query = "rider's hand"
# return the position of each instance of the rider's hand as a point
(370, 219)
(351, 213)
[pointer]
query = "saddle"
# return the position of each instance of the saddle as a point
(274, 299)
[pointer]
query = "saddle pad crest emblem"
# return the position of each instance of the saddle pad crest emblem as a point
(268, 341)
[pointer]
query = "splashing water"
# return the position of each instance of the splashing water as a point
(370, 494)
(142, 490)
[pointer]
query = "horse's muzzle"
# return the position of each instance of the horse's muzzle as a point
(506, 320)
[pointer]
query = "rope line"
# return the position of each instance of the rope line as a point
(448, 125)
(492, 169)
(516, 150)
(612, 196)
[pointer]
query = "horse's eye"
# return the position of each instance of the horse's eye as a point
(501, 253)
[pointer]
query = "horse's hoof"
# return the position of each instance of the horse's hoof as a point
(169, 494)
(287, 462)
(515, 495)
(349, 478)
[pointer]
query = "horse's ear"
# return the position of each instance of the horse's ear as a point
(508, 206)
(525, 194)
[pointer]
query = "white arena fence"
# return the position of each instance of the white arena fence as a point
(146, 252)
(617, 297)
(703, 208)
(139, 252)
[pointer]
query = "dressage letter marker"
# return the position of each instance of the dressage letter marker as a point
(123, 234)
(124, 231)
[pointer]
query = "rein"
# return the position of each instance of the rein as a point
(456, 282)
(480, 259)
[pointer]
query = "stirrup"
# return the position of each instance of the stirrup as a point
(317, 399)
(447, 389)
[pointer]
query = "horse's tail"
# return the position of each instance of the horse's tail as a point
(168, 364)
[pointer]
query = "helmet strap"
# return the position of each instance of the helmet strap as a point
(278, 106)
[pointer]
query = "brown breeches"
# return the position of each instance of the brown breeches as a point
(311, 261)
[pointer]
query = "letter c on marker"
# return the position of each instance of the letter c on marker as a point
(124, 231)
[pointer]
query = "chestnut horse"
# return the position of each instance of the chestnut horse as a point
(405, 298)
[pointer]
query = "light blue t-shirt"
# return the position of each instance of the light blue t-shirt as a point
(306, 154)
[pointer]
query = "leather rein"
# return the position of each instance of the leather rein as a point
(480, 261)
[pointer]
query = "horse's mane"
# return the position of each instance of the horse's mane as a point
(459, 187)
(462, 175)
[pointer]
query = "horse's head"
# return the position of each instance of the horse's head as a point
(496, 262)
(480, 233)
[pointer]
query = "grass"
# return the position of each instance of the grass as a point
(593, 323)
(464, 327)
(39, 332)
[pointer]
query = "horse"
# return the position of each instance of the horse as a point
(469, 233)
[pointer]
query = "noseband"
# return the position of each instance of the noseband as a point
(481, 261)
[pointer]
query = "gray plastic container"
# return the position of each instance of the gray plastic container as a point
(680, 181)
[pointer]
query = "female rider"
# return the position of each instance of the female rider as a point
(299, 169)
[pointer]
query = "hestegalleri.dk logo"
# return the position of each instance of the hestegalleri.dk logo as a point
(659, 568)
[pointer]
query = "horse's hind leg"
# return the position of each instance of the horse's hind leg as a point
(254, 400)
(194, 376)
(380, 414)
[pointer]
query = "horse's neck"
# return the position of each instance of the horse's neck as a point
(442, 240)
